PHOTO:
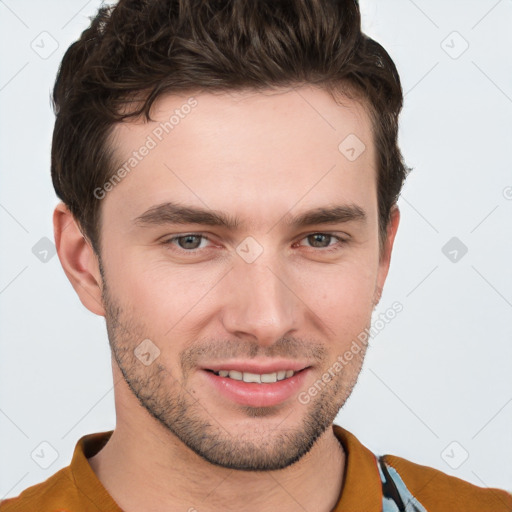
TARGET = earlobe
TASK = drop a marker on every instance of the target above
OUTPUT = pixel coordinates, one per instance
(78, 259)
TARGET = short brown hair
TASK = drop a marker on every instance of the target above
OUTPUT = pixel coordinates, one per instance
(143, 49)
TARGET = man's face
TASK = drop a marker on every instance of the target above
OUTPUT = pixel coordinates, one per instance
(268, 295)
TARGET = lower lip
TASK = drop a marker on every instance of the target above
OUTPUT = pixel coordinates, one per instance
(254, 394)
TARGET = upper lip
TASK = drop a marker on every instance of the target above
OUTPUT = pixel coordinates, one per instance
(259, 368)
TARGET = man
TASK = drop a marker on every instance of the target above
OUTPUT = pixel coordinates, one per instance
(229, 173)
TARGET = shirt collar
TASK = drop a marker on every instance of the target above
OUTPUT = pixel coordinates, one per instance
(362, 488)
(85, 478)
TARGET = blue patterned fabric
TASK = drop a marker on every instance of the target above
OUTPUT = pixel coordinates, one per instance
(395, 495)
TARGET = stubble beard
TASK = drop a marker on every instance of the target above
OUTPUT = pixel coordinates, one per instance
(171, 402)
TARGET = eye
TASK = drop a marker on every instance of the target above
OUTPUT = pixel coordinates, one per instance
(192, 242)
(322, 241)
(188, 242)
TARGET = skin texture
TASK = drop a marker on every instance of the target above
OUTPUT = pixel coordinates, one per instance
(261, 157)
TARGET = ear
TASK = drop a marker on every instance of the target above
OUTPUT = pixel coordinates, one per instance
(78, 259)
(385, 256)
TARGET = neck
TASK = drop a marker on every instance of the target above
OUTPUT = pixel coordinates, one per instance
(147, 468)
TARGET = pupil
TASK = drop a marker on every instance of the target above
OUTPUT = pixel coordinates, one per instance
(317, 238)
(187, 241)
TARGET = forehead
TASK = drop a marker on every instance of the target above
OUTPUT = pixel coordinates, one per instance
(246, 151)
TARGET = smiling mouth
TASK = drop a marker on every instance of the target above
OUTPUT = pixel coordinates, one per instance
(258, 378)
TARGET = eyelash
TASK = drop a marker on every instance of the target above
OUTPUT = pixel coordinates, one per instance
(333, 248)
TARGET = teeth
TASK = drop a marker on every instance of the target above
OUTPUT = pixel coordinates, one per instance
(256, 377)
(269, 377)
(251, 377)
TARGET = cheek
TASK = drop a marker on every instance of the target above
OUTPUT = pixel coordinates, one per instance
(175, 301)
(164, 297)
(341, 295)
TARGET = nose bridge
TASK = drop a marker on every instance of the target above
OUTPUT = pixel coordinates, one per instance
(260, 303)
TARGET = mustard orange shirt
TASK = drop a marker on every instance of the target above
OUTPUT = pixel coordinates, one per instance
(371, 484)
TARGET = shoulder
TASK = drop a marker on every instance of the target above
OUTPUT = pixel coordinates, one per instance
(73, 488)
(438, 491)
(47, 496)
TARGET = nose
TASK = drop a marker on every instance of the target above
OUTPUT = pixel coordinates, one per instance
(260, 302)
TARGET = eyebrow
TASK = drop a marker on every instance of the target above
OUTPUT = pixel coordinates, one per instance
(174, 213)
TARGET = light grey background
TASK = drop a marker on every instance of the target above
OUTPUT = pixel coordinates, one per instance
(437, 383)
